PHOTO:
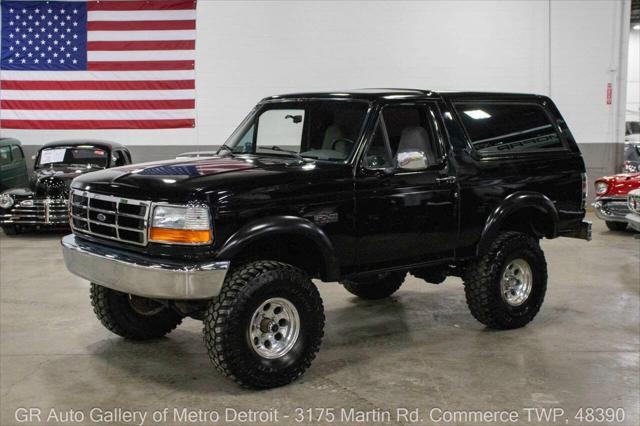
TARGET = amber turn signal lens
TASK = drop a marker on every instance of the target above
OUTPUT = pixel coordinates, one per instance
(180, 236)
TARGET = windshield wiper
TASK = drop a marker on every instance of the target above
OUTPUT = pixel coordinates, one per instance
(286, 151)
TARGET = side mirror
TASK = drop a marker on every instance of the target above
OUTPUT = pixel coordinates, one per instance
(295, 118)
(411, 160)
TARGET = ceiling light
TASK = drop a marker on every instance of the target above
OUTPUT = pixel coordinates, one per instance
(636, 27)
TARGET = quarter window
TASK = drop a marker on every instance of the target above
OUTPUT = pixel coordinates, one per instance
(508, 128)
(16, 152)
(377, 156)
(119, 159)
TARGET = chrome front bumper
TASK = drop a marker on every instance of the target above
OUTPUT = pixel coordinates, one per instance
(611, 209)
(633, 219)
(141, 275)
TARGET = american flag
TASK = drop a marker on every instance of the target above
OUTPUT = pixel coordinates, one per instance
(109, 64)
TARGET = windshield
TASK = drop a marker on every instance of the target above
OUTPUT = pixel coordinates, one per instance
(322, 130)
(80, 156)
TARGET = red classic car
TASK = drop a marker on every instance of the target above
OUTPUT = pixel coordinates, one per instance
(611, 198)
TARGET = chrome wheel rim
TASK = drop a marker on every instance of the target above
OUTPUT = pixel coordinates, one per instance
(274, 328)
(516, 282)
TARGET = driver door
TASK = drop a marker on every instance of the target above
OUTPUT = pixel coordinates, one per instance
(406, 202)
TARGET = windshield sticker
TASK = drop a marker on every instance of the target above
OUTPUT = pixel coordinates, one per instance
(52, 155)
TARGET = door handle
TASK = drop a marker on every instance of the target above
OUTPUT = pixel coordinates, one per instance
(447, 179)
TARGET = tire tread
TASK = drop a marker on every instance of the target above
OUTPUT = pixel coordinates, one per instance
(218, 322)
(115, 314)
(480, 277)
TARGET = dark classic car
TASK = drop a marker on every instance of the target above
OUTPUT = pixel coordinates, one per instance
(45, 202)
(358, 187)
(611, 198)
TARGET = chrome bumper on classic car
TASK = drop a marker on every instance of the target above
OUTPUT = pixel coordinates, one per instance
(142, 275)
(38, 211)
(633, 219)
(611, 209)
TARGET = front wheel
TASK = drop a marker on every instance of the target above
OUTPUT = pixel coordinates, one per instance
(266, 326)
(616, 226)
(506, 287)
(132, 317)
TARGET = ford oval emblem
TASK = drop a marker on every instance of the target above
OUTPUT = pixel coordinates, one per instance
(101, 217)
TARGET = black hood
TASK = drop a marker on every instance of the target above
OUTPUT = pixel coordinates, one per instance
(53, 182)
(180, 180)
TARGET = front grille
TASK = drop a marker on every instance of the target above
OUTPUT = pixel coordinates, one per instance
(617, 208)
(39, 211)
(106, 216)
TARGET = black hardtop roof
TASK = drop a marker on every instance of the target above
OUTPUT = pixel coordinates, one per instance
(379, 94)
(77, 142)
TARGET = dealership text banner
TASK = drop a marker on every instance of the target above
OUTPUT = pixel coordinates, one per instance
(97, 64)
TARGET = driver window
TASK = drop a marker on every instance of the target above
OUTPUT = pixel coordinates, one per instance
(411, 138)
(281, 128)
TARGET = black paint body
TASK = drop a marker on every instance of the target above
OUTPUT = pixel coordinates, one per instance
(348, 219)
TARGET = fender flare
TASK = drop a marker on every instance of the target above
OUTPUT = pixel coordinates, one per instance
(18, 192)
(512, 204)
(284, 225)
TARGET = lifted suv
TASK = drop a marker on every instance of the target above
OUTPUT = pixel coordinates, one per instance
(360, 187)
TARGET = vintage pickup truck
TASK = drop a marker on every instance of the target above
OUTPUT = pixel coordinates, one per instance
(44, 202)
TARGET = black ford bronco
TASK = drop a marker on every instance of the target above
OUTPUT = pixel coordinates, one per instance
(360, 187)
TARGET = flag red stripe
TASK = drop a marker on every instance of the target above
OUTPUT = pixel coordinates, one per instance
(142, 45)
(99, 85)
(98, 105)
(140, 65)
(140, 25)
(142, 5)
(97, 124)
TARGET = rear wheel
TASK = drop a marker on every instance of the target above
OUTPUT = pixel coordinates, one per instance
(266, 326)
(130, 316)
(375, 286)
(616, 226)
(506, 287)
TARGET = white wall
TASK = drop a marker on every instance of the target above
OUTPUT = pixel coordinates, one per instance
(248, 50)
(633, 77)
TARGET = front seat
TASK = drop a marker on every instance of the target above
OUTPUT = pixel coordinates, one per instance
(415, 149)
(332, 134)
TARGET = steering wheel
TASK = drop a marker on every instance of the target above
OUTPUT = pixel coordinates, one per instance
(345, 140)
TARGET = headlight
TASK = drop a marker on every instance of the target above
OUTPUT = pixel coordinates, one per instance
(6, 201)
(180, 225)
(601, 188)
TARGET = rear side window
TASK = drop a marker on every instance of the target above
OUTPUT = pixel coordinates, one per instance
(16, 151)
(502, 128)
